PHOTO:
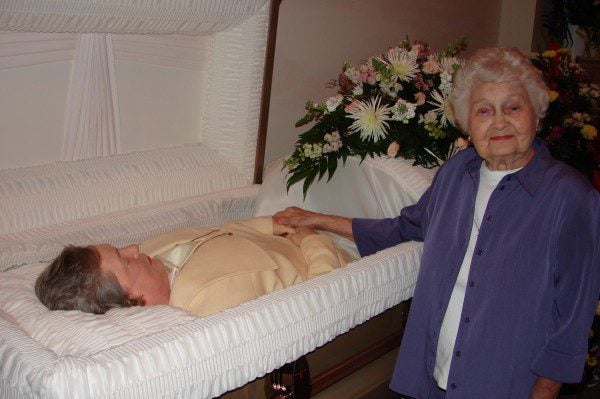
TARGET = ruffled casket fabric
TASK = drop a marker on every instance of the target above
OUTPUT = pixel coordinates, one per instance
(166, 352)
(112, 199)
(191, 17)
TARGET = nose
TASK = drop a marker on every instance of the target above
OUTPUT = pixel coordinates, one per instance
(499, 121)
(131, 251)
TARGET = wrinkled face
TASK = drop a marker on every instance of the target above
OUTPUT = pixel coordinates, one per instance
(502, 124)
(138, 274)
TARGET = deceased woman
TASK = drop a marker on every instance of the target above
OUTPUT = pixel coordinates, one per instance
(201, 270)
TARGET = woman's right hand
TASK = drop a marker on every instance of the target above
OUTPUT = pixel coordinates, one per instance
(298, 217)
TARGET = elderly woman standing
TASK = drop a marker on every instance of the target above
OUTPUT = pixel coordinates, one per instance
(510, 271)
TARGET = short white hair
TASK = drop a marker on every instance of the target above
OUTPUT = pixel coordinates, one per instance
(497, 65)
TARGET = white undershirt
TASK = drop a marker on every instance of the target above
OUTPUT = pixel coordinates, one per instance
(488, 180)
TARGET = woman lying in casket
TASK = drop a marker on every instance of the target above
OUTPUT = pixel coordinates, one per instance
(202, 270)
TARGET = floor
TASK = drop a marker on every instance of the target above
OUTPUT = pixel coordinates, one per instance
(378, 373)
(383, 392)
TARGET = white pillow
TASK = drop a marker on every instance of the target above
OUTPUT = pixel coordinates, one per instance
(376, 188)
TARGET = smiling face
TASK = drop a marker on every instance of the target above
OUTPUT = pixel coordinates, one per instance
(502, 124)
(138, 274)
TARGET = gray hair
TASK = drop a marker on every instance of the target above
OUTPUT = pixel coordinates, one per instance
(497, 65)
(75, 281)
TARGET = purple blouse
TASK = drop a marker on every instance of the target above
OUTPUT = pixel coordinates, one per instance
(533, 284)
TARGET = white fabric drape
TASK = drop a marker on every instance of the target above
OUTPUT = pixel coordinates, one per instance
(92, 125)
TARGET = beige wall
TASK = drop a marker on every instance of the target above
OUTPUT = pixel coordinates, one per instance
(315, 37)
(517, 24)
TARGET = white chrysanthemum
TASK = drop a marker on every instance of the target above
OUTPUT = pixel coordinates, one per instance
(442, 107)
(445, 83)
(370, 119)
(450, 64)
(403, 64)
(403, 111)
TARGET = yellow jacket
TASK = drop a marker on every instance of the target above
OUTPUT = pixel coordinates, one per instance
(242, 263)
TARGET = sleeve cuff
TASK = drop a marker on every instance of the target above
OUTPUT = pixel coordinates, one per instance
(559, 366)
(320, 255)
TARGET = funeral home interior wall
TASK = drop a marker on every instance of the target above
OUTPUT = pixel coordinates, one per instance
(315, 37)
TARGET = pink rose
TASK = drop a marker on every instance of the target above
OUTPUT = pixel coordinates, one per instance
(420, 98)
(393, 149)
(431, 67)
(368, 77)
(351, 106)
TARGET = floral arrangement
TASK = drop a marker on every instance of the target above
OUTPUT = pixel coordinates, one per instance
(394, 104)
(397, 104)
(591, 376)
(570, 128)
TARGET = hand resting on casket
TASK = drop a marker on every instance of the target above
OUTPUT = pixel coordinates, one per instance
(296, 217)
(202, 270)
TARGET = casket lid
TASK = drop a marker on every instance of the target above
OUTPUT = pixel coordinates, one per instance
(126, 16)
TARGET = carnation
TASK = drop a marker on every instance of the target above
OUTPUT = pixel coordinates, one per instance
(403, 111)
(333, 102)
(570, 128)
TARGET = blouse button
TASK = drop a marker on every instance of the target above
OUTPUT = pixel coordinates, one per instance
(467, 319)
(480, 252)
(489, 218)
(453, 386)
(500, 188)
(471, 283)
(458, 353)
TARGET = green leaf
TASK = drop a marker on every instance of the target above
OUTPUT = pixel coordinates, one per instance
(331, 166)
(381, 68)
(295, 178)
(306, 119)
(322, 167)
(307, 182)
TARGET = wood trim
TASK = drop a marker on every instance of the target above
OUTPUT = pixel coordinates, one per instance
(261, 141)
(362, 358)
